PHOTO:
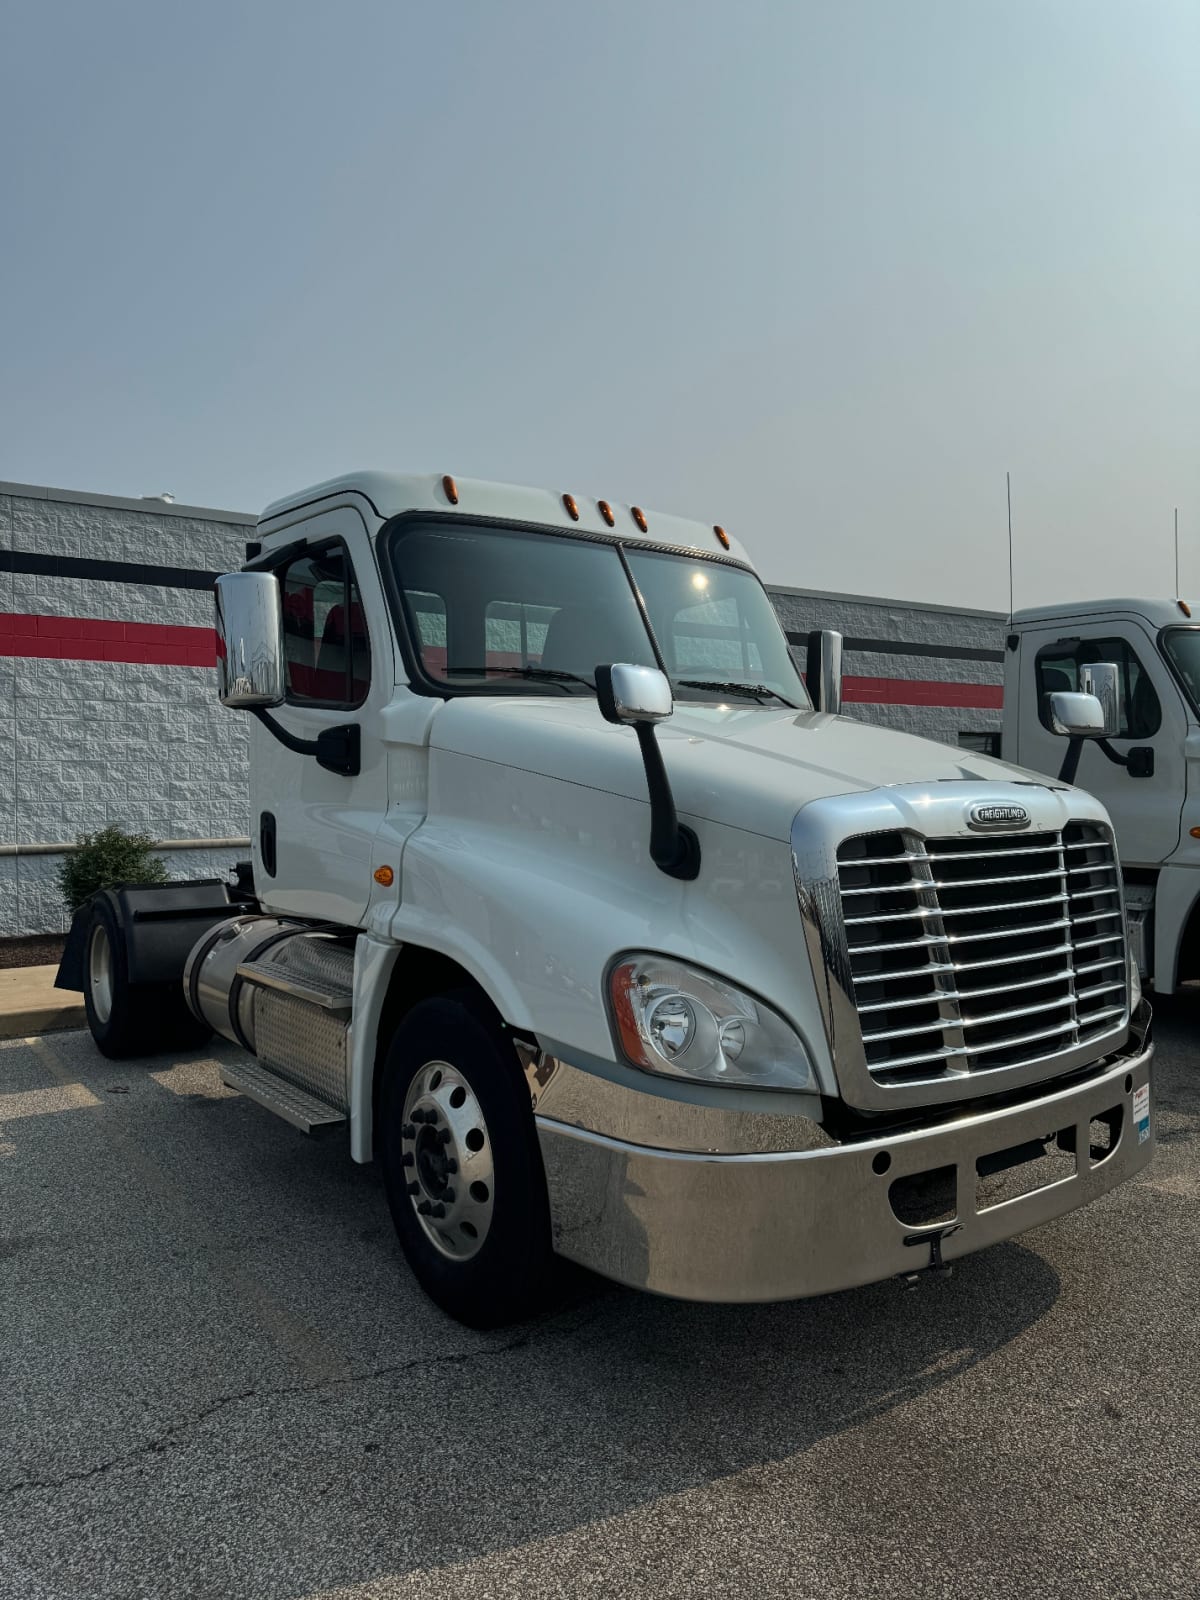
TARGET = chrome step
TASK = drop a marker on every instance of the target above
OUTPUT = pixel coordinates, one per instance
(297, 1106)
(338, 1002)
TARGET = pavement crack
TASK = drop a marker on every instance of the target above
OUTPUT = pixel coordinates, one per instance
(175, 1434)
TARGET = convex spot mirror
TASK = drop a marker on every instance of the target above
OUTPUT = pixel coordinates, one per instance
(250, 667)
(1092, 712)
(630, 694)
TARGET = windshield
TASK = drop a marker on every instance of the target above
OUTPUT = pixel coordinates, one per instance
(1182, 649)
(538, 613)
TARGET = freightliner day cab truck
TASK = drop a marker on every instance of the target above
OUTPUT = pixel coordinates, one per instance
(1147, 774)
(569, 903)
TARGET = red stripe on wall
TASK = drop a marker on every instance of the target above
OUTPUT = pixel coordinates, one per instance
(155, 644)
(923, 692)
(164, 645)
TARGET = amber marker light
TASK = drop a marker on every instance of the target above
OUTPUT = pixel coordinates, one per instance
(572, 507)
(606, 511)
(451, 488)
(1195, 832)
(639, 516)
(384, 876)
(722, 536)
(1184, 607)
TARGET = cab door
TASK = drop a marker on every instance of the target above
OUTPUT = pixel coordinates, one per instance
(1146, 810)
(314, 828)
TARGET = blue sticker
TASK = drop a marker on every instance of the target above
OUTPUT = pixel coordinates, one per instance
(1141, 1112)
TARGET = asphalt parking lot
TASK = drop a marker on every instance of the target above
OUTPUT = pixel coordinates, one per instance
(218, 1379)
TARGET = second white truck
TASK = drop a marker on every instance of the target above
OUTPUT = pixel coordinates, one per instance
(1146, 772)
(570, 907)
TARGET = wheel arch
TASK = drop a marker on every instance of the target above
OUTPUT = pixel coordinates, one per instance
(406, 974)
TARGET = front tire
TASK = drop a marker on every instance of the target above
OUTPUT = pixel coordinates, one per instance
(461, 1163)
(130, 1019)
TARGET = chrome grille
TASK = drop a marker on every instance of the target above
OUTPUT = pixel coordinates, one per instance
(976, 954)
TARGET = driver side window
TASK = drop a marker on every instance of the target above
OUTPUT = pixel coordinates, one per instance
(327, 655)
(1057, 668)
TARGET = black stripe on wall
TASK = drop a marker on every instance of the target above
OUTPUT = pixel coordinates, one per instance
(47, 566)
(51, 566)
(903, 647)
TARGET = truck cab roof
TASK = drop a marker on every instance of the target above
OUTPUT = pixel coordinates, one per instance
(1158, 613)
(391, 493)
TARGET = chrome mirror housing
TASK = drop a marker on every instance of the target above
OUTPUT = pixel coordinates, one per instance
(250, 667)
(1077, 716)
(632, 695)
(823, 674)
(1103, 679)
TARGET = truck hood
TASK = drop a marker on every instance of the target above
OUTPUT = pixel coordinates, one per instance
(748, 767)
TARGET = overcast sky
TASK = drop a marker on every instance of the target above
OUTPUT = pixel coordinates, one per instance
(820, 272)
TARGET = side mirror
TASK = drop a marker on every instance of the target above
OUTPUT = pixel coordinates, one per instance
(249, 641)
(640, 698)
(1103, 679)
(629, 694)
(823, 672)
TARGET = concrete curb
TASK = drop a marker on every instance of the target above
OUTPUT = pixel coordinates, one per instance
(30, 1004)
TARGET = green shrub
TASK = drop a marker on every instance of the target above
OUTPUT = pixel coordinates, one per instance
(102, 860)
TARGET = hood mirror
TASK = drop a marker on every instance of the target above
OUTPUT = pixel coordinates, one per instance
(1077, 716)
(630, 694)
(1092, 712)
(639, 698)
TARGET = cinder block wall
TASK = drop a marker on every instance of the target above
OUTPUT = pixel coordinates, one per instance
(108, 708)
(938, 669)
(91, 736)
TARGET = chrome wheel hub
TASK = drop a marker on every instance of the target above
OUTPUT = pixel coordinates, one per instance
(446, 1154)
(100, 973)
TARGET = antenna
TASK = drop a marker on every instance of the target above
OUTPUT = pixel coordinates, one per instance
(1177, 552)
(1008, 490)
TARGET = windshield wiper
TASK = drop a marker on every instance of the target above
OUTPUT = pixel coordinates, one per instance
(757, 691)
(547, 674)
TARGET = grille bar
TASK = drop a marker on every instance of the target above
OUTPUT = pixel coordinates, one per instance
(938, 944)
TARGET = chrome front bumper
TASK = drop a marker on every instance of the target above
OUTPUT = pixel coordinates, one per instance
(785, 1225)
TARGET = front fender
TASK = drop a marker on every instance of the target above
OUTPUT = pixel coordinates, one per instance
(533, 884)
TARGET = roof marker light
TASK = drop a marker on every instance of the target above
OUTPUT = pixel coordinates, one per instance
(722, 536)
(572, 507)
(606, 512)
(1184, 607)
(639, 516)
(451, 488)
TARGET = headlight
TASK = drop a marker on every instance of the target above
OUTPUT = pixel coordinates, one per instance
(683, 1023)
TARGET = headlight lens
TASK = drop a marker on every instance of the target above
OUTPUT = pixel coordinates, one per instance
(685, 1023)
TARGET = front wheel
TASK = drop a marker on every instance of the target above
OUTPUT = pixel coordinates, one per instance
(462, 1166)
(130, 1019)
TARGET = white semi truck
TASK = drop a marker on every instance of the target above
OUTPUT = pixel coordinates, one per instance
(1146, 772)
(607, 937)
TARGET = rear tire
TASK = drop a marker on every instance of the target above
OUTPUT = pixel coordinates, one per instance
(461, 1163)
(130, 1019)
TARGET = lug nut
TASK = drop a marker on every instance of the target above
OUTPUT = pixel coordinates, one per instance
(444, 1135)
(406, 1160)
(451, 1165)
(437, 1211)
(424, 1208)
(448, 1196)
(431, 1117)
(418, 1115)
(408, 1131)
(412, 1188)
